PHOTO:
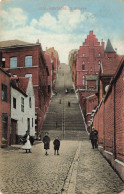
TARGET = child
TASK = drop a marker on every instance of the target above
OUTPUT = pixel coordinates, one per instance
(56, 144)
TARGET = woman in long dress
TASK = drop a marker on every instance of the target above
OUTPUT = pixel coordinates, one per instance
(27, 145)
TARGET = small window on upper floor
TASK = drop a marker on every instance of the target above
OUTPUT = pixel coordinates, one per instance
(83, 54)
(91, 69)
(22, 104)
(99, 65)
(14, 102)
(3, 62)
(28, 75)
(13, 62)
(83, 65)
(99, 54)
(30, 103)
(83, 81)
(28, 61)
(4, 92)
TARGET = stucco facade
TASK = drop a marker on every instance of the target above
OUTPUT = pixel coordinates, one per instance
(23, 113)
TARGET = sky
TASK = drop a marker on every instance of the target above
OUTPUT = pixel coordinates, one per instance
(62, 24)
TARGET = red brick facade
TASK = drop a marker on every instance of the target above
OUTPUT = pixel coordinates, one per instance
(109, 120)
(38, 69)
(4, 107)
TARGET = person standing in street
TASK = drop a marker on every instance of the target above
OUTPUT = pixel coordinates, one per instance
(94, 138)
(56, 144)
(27, 146)
(46, 141)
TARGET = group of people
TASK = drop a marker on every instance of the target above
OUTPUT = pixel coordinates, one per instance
(28, 142)
(56, 143)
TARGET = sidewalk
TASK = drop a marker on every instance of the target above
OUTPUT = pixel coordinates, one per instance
(92, 174)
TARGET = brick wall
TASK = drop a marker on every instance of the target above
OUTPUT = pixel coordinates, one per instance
(109, 118)
(5, 106)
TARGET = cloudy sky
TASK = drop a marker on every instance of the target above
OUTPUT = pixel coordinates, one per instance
(62, 24)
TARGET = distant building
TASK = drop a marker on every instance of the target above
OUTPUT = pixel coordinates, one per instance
(22, 108)
(4, 108)
(50, 76)
(108, 68)
(72, 63)
(88, 64)
(24, 59)
(54, 60)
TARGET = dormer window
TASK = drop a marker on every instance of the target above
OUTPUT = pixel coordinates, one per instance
(83, 65)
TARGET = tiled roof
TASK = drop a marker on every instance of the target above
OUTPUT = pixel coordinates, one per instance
(12, 43)
(109, 48)
(23, 84)
(110, 65)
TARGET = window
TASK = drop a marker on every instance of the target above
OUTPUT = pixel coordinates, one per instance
(99, 65)
(14, 102)
(13, 62)
(28, 61)
(22, 104)
(83, 81)
(83, 54)
(83, 65)
(4, 93)
(30, 104)
(14, 75)
(32, 122)
(28, 124)
(4, 125)
(3, 62)
(99, 54)
(91, 69)
(28, 75)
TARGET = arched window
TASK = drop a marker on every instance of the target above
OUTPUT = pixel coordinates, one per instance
(99, 65)
(83, 81)
(83, 65)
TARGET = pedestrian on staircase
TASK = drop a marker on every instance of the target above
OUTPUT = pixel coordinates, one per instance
(94, 138)
(46, 141)
(56, 144)
(69, 104)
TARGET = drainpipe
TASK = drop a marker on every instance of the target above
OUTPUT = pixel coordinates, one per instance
(115, 154)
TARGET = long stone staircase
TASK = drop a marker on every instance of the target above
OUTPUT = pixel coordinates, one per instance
(63, 120)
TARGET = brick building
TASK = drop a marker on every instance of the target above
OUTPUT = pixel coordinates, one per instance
(109, 121)
(50, 76)
(89, 59)
(4, 107)
(109, 65)
(55, 61)
(72, 63)
(24, 59)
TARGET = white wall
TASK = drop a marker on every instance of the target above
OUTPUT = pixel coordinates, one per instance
(20, 116)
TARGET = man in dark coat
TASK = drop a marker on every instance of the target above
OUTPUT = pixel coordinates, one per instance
(94, 138)
(56, 144)
(46, 141)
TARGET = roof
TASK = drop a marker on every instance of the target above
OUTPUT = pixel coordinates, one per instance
(20, 84)
(1, 69)
(15, 43)
(110, 65)
(23, 84)
(109, 48)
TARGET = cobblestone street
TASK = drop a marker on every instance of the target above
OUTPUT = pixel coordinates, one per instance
(78, 169)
